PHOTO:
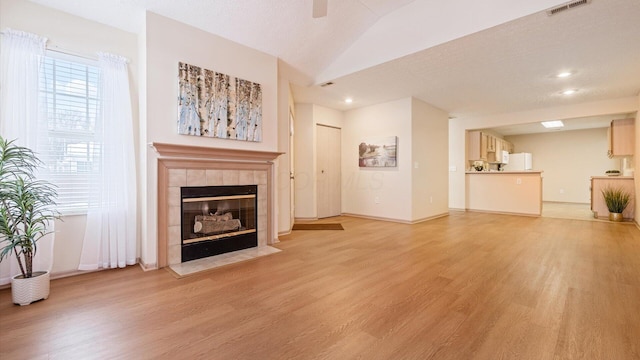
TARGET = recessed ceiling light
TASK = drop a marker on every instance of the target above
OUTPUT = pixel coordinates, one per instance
(564, 74)
(569, 92)
(554, 124)
(348, 100)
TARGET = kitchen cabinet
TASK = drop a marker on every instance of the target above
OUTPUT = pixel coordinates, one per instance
(621, 137)
(497, 155)
(482, 146)
(508, 147)
(491, 143)
(476, 145)
(599, 207)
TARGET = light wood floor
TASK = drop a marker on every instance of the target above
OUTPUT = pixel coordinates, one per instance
(466, 286)
(573, 211)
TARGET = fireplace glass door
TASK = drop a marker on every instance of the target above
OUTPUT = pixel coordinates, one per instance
(218, 219)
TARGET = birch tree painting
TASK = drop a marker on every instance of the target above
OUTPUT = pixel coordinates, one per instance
(217, 105)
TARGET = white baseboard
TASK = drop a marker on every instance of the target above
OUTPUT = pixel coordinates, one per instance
(401, 221)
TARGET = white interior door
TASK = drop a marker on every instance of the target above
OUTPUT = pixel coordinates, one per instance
(328, 142)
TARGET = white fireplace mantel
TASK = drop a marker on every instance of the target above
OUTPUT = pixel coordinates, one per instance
(173, 150)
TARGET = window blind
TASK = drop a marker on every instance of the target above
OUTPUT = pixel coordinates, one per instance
(69, 93)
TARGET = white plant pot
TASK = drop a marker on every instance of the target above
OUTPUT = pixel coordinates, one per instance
(24, 291)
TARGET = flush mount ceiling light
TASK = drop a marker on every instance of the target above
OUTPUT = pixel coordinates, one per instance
(569, 92)
(554, 124)
(564, 74)
(348, 100)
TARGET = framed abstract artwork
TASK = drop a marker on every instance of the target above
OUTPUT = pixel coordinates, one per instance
(217, 105)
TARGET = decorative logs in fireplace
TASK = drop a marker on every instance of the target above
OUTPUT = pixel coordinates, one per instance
(211, 224)
(218, 219)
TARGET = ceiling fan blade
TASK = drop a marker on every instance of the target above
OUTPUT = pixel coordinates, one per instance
(319, 8)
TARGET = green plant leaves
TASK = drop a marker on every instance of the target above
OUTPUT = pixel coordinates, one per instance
(616, 199)
(26, 204)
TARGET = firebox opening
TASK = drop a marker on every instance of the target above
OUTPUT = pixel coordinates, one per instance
(217, 220)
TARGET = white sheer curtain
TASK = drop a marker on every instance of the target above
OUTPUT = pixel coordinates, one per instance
(110, 235)
(22, 118)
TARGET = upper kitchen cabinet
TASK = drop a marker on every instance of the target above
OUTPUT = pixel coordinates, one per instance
(491, 143)
(482, 146)
(495, 156)
(498, 150)
(476, 145)
(508, 146)
(621, 137)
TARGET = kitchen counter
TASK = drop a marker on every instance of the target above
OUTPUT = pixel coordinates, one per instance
(612, 177)
(507, 192)
(506, 172)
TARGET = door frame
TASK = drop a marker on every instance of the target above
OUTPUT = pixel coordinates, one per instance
(292, 180)
(339, 174)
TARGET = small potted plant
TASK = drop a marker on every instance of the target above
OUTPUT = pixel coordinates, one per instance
(26, 208)
(617, 200)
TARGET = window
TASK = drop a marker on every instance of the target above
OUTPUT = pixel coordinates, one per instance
(69, 89)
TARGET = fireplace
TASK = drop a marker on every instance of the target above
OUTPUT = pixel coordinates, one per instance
(192, 166)
(217, 220)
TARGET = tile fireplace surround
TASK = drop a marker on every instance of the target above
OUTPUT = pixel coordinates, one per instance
(180, 165)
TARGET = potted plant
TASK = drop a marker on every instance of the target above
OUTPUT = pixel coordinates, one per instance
(617, 200)
(26, 208)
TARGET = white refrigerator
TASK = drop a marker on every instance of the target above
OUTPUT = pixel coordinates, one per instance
(519, 162)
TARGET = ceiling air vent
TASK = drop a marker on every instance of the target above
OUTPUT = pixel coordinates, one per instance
(567, 6)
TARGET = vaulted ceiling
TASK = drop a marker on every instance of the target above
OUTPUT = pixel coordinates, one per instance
(469, 58)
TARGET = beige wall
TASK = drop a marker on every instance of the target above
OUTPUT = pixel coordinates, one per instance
(283, 163)
(414, 190)
(78, 36)
(308, 116)
(392, 186)
(568, 159)
(430, 156)
(304, 150)
(457, 128)
(167, 43)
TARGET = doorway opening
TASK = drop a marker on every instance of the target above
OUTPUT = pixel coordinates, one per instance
(560, 210)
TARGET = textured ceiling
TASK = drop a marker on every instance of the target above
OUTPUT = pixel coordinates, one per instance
(589, 122)
(510, 67)
(468, 58)
(282, 28)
